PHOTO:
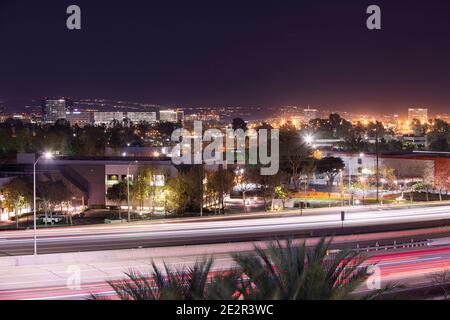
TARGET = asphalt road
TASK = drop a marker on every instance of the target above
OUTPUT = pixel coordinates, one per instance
(145, 235)
(49, 282)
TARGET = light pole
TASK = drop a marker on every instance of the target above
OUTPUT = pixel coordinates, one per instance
(128, 188)
(377, 150)
(201, 189)
(383, 181)
(361, 155)
(363, 183)
(46, 155)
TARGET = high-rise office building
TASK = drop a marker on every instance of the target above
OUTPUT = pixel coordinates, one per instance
(54, 109)
(107, 117)
(80, 118)
(136, 117)
(173, 116)
(309, 114)
(419, 114)
(180, 116)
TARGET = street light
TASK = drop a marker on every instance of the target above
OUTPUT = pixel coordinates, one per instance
(309, 139)
(363, 180)
(46, 155)
(128, 188)
(383, 181)
(361, 155)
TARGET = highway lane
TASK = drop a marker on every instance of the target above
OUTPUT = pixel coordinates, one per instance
(104, 237)
(410, 268)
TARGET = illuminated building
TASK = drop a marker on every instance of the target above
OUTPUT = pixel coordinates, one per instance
(173, 116)
(309, 114)
(136, 117)
(54, 109)
(419, 114)
(80, 118)
(107, 117)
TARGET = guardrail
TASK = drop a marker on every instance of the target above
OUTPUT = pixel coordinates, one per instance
(394, 246)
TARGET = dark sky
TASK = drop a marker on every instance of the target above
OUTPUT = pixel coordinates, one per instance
(215, 52)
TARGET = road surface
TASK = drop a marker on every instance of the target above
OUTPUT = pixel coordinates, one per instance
(145, 235)
(53, 282)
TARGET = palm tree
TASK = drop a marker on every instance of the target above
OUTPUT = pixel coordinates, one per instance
(292, 272)
(187, 283)
(282, 272)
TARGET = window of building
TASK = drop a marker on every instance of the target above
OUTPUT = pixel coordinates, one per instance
(158, 181)
(112, 179)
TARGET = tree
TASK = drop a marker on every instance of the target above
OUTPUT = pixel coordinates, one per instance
(438, 137)
(238, 123)
(420, 187)
(16, 136)
(45, 192)
(419, 129)
(354, 139)
(93, 140)
(118, 193)
(196, 175)
(441, 280)
(179, 191)
(165, 129)
(60, 195)
(57, 137)
(297, 156)
(185, 283)
(293, 152)
(140, 187)
(332, 128)
(17, 194)
(219, 183)
(244, 181)
(442, 175)
(52, 194)
(331, 167)
(266, 184)
(281, 193)
(307, 170)
(291, 271)
(284, 271)
(376, 128)
(352, 188)
(388, 179)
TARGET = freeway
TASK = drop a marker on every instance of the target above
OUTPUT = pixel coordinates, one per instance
(146, 235)
(50, 282)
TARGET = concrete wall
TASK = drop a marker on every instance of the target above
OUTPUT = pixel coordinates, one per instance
(411, 168)
(95, 176)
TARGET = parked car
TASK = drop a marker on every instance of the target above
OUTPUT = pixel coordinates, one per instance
(53, 219)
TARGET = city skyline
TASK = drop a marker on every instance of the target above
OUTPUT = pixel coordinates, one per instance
(250, 113)
(302, 53)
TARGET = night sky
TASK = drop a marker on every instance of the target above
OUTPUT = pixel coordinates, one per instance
(248, 53)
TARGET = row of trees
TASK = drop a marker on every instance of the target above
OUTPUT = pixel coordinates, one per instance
(51, 196)
(17, 136)
(191, 189)
(335, 127)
